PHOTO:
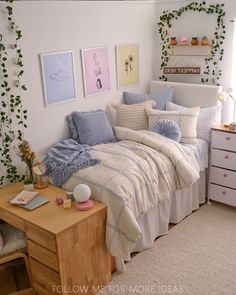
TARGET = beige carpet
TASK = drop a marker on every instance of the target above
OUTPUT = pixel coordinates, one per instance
(198, 256)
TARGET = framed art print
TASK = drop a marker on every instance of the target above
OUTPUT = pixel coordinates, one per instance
(58, 77)
(127, 63)
(95, 70)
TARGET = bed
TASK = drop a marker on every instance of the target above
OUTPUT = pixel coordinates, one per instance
(141, 229)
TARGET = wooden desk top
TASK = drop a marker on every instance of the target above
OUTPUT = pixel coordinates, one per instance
(223, 128)
(50, 217)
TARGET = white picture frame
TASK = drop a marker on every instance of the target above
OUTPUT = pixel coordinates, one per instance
(58, 74)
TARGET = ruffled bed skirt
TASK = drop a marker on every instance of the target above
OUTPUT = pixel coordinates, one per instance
(155, 223)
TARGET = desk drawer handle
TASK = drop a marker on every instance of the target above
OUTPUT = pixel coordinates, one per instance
(226, 157)
(227, 138)
(224, 193)
(225, 175)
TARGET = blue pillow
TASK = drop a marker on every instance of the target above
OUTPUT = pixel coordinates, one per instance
(167, 128)
(160, 97)
(92, 127)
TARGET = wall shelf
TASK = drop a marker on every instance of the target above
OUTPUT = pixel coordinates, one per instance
(190, 50)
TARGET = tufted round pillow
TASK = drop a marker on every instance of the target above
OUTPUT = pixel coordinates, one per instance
(167, 128)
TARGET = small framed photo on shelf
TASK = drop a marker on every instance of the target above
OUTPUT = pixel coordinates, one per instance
(96, 73)
(127, 64)
(58, 75)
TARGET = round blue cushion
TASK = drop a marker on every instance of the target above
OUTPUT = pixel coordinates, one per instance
(167, 128)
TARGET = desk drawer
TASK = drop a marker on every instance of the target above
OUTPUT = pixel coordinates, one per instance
(223, 177)
(41, 237)
(45, 279)
(12, 219)
(222, 194)
(43, 255)
(224, 140)
(223, 159)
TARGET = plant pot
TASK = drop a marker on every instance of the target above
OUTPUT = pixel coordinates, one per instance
(29, 186)
(194, 41)
(173, 41)
(204, 41)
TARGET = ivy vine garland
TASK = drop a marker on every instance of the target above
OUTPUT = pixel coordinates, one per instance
(212, 72)
(12, 115)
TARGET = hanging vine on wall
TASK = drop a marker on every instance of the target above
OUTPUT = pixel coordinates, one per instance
(212, 72)
(12, 115)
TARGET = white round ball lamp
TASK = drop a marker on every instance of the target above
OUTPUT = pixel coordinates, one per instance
(82, 193)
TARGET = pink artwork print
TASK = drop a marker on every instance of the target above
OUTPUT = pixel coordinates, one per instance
(95, 70)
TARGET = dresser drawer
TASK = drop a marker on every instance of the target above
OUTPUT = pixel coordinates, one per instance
(12, 219)
(45, 279)
(223, 159)
(43, 255)
(224, 140)
(222, 194)
(41, 237)
(223, 177)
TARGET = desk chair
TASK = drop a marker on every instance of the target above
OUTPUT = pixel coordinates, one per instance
(14, 247)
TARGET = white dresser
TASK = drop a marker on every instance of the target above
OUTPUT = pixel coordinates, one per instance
(222, 179)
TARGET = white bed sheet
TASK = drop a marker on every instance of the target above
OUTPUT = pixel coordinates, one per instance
(200, 148)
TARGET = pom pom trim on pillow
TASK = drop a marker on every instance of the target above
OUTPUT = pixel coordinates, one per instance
(167, 128)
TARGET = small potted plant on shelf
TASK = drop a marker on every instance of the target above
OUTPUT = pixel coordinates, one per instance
(173, 41)
(194, 41)
(27, 156)
(204, 40)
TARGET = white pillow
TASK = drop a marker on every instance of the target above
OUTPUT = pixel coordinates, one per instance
(133, 116)
(208, 118)
(186, 119)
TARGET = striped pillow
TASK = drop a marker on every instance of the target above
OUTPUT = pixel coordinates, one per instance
(133, 116)
(186, 119)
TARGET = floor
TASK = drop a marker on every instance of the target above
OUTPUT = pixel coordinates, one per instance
(197, 257)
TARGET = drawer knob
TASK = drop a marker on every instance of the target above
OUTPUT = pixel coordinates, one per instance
(227, 138)
(224, 192)
(226, 157)
(225, 175)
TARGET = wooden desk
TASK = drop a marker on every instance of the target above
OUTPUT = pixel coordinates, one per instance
(66, 247)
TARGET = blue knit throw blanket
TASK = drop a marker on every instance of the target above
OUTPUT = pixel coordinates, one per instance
(67, 157)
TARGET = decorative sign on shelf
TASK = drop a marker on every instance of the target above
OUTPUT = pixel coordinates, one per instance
(182, 70)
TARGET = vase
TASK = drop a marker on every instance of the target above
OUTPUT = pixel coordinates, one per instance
(29, 179)
(29, 187)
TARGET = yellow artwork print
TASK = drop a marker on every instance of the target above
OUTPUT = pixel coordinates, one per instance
(127, 64)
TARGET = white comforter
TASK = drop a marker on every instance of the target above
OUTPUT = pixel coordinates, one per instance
(133, 176)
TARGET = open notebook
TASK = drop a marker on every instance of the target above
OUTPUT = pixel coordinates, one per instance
(35, 203)
(29, 200)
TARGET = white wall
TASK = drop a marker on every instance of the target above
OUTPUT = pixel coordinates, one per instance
(200, 24)
(49, 26)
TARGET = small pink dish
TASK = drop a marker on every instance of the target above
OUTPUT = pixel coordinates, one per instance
(83, 206)
(183, 41)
